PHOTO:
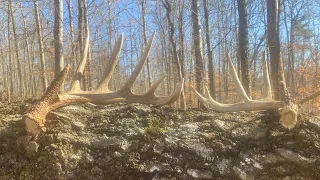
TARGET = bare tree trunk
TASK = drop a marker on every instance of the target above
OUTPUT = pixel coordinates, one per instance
(20, 75)
(219, 54)
(209, 49)
(197, 46)
(167, 6)
(274, 44)
(40, 41)
(164, 60)
(86, 25)
(34, 90)
(291, 52)
(58, 37)
(74, 56)
(4, 75)
(254, 60)
(182, 53)
(31, 85)
(190, 78)
(80, 38)
(244, 46)
(10, 66)
(80, 26)
(144, 24)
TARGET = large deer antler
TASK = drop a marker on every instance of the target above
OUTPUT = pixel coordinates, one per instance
(288, 109)
(35, 119)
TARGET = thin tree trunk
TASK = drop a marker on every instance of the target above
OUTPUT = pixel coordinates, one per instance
(28, 50)
(167, 6)
(73, 57)
(86, 25)
(4, 75)
(80, 26)
(41, 48)
(288, 46)
(10, 66)
(19, 66)
(182, 53)
(291, 64)
(209, 49)
(58, 37)
(33, 79)
(144, 24)
(254, 60)
(80, 38)
(219, 54)
(190, 78)
(197, 46)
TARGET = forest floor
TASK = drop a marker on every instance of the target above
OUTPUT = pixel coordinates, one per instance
(134, 141)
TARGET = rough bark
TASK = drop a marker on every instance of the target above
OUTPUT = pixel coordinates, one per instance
(243, 46)
(274, 44)
(197, 44)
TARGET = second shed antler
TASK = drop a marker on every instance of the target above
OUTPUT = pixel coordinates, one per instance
(288, 109)
(35, 119)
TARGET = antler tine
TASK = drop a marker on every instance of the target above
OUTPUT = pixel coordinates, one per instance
(266, 79)
(242, 93)
(127, 86)
(35, 119)
(288, 109)
(76, 83)
(174, 96)
(202, 98)
(103, 86)
(129, 97)
(54, 88)
(209, 98)
(310, 97)
(154, 86)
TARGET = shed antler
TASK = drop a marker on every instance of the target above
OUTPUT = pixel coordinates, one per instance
(288, 109)
(35, 119)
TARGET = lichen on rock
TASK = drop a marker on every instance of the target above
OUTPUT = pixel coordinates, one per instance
(137, 141)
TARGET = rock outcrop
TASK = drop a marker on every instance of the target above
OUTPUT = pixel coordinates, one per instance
(148, 142)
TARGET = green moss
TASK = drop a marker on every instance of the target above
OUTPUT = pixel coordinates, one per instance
(303, 117)
(27, 173)
(156, 126)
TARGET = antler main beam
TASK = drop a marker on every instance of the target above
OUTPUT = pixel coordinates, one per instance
(35, 119)
(288, 110)
(247, 103)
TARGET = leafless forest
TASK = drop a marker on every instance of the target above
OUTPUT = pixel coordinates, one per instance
(39, 37)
